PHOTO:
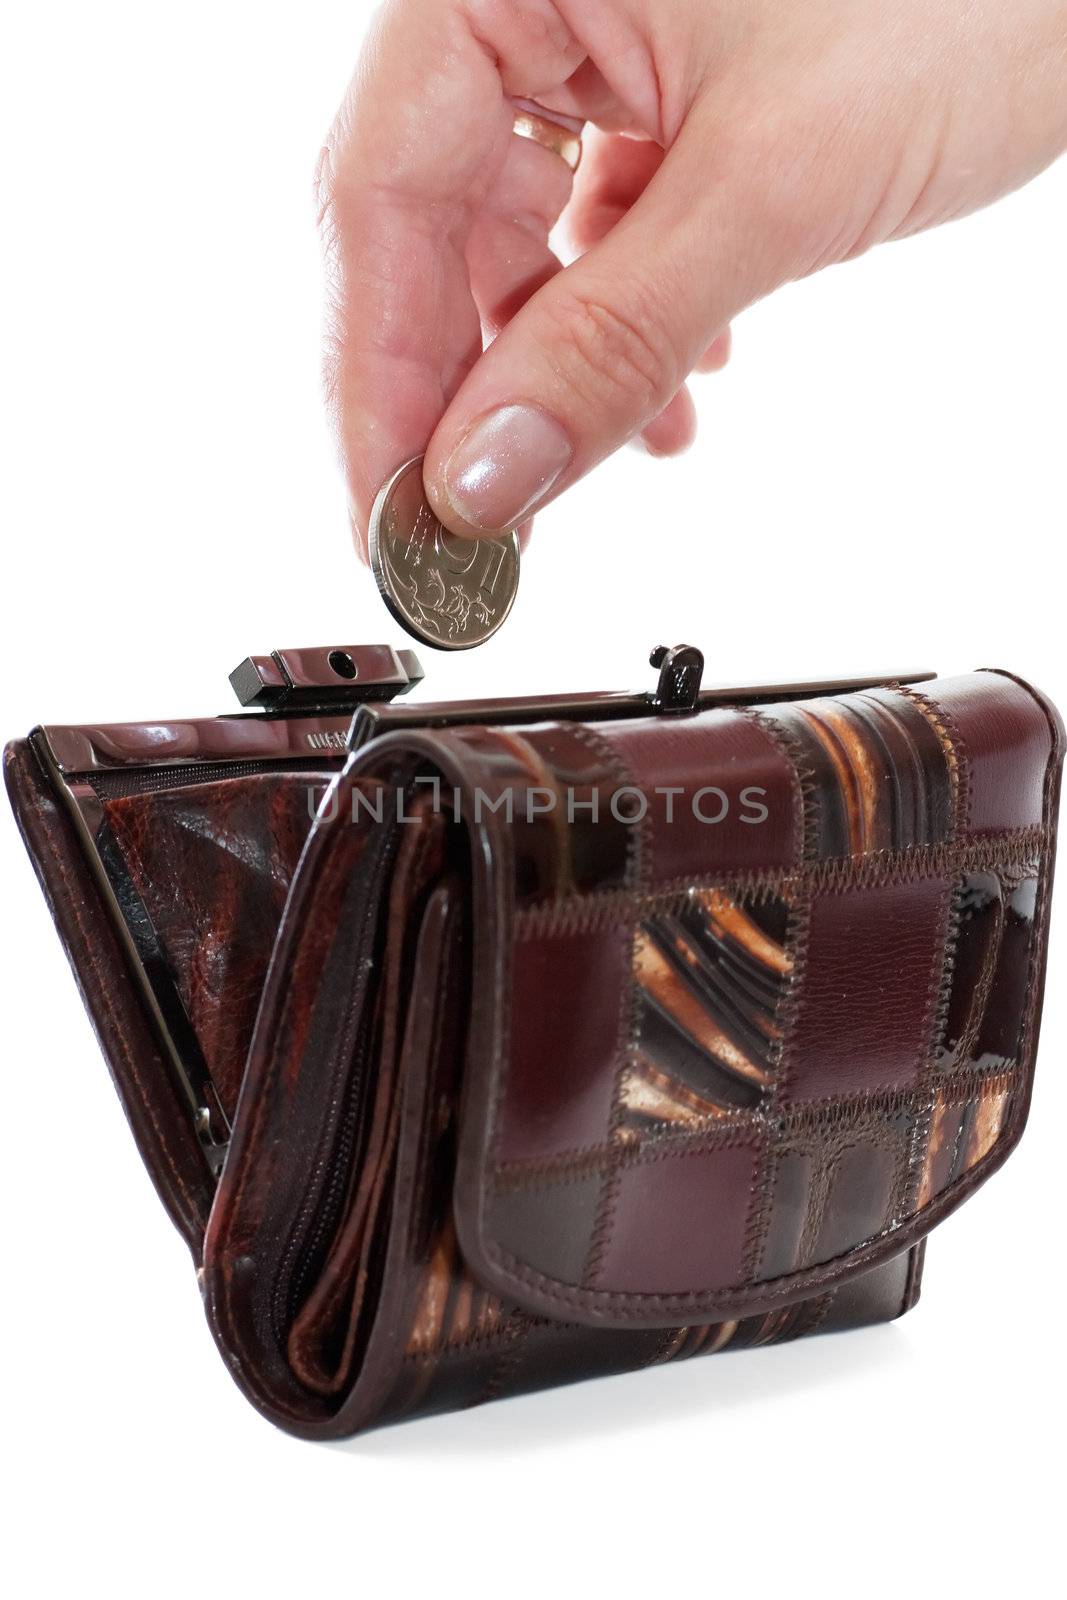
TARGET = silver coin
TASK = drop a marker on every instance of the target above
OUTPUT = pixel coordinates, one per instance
(449, 592)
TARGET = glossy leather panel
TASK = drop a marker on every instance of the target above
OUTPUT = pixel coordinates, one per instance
(722, 794)
(1005, 741)
(233, 848)
(568, 1022)
(873, 961)
(677, 1222)
(808, 1014)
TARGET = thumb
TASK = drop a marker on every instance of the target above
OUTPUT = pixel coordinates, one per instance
(600, 349)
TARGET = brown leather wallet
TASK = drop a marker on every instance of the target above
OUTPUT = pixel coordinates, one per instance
(481, 1047)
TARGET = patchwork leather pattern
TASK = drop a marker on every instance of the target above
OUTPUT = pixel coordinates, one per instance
(814, 1058)
(682, 1043)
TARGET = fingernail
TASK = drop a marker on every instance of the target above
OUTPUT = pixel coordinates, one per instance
(506, 464)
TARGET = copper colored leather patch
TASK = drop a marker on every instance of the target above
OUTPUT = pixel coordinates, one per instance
(711, 978)
(880, 774)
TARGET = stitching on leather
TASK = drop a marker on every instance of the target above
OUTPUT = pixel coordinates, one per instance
(756, 1243)
(636, 877)
(965, 1181)
(1015, 1116)
(825, 1272)
(802, 774)
(224, 1278)
(956, 755)
(505, 999)
(1018, 849)
(342, 1049)
(825, 1146)
(724, 1114)
(819, 1189)
(475, 1344)
(509, 1359)
(1039, 934)
(343, 1285)
(799, 1128)
(760, 1213)
(820, 1310)
(933, 1027)
(801, 916)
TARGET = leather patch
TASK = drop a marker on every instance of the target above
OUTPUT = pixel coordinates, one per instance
(873, 961)
(710, 978)
(1006, 742)
(832, 1187)
(861, 1192)
(962, 1131)
(880, 777)
(568, 1029)
(679, 1221)
(990, 973)
(722, 794)
(590, 832)
(549, 1228)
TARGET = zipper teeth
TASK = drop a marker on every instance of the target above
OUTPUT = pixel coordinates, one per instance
(313, 1218)
(328, 1203)
(117, 785)
(331, 1172)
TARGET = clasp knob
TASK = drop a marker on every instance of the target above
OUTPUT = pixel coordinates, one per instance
(681, 669)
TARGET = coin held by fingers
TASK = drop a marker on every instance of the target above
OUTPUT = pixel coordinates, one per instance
(449, 592)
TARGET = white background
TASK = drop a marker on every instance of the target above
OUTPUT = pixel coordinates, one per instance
(878, 485)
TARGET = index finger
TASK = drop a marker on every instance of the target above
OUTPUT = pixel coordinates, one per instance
(419, 141)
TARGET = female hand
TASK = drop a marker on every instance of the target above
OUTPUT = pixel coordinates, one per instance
(736, 144)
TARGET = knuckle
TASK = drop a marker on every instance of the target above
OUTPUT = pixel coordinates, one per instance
(324, 188)
(525, 38)
(616, 353)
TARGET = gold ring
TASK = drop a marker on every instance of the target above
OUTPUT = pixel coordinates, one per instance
(551, 129)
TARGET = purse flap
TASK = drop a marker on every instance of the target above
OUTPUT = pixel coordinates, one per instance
(755, 991)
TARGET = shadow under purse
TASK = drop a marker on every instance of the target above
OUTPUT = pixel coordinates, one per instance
(480, 1047)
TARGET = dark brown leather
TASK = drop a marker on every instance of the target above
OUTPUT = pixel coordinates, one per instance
(233, 848)
(655, 1037)
(126, 1036)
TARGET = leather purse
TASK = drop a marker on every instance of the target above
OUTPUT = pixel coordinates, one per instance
(475, 1048)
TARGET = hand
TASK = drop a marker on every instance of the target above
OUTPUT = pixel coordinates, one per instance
(736, 144)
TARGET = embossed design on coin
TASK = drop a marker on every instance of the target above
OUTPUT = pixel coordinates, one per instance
(445, 590)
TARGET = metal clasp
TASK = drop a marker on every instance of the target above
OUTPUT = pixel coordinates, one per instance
(324, 678)
(680, 672)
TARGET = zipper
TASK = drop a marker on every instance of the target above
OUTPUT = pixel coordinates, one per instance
(323, 1197)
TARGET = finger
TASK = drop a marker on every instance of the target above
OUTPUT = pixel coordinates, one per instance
(422, 135)
(599, 350)
(717, 354)
(508, 253)
(588, 96)
(614, 173)
(673, 429)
